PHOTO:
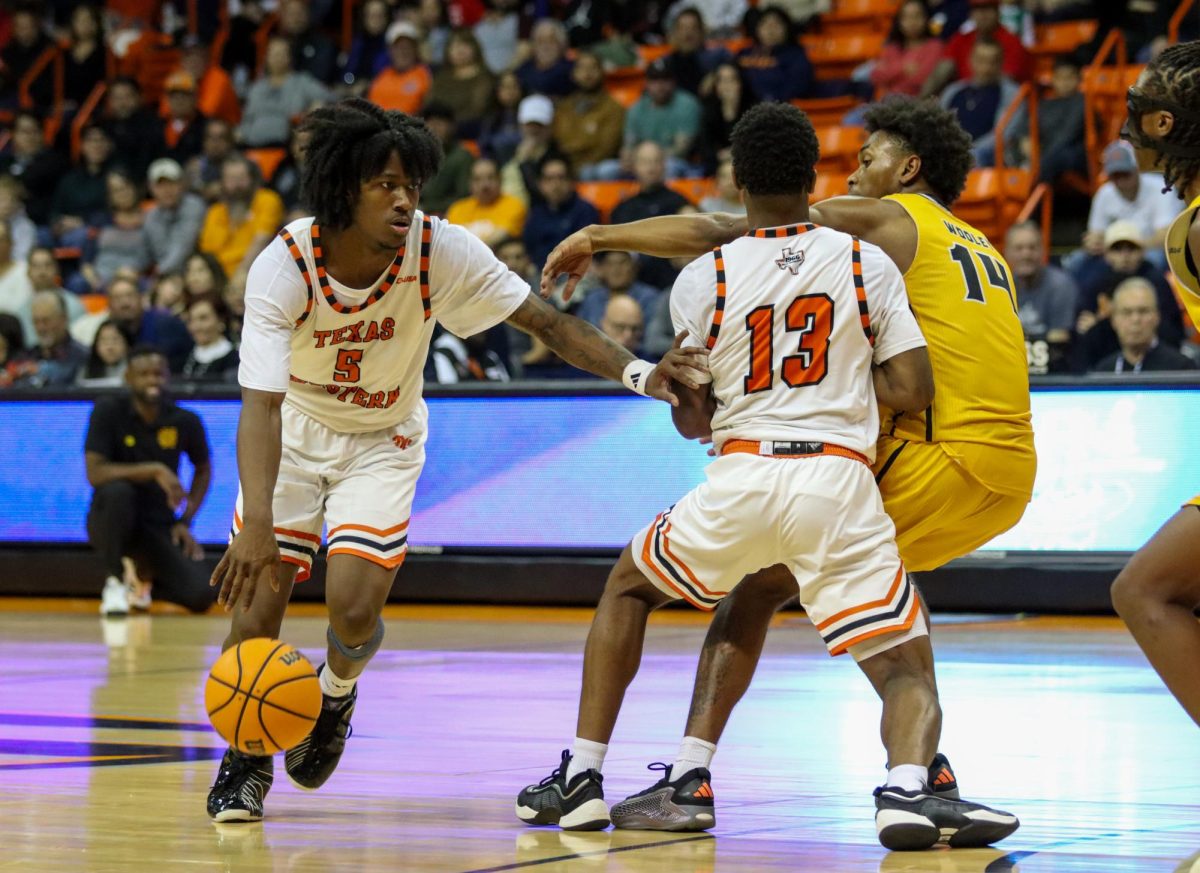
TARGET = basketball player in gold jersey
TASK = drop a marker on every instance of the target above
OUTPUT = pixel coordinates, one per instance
(1159, 589)
(952, 477)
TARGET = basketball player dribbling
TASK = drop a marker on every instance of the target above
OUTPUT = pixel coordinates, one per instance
(954, 475)
(1157, 592)
(807, 327)
(340, 309)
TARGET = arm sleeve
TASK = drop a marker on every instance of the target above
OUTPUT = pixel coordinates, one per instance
(275, 299)
(693, 299)
(892, 320)
(469, 289)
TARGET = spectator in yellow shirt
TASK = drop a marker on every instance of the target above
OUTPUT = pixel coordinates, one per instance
(245, 217)
(487, 213)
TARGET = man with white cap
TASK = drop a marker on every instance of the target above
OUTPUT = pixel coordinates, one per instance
(1129, 196)
(404, 83)
(173, 223)
(519, 177)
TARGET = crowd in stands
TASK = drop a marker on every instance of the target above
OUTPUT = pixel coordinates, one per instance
(130, 214)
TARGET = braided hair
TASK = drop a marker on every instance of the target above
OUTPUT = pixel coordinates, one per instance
(352, 141)
(1173, 82)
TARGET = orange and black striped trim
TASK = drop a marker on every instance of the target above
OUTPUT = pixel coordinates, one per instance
(426, 240)
(753, 447)
(780, 232)
(864, 315)
(323, 277)
(298, 257)
(719, 310)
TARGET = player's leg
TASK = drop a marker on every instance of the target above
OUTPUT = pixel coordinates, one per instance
(1156, 594)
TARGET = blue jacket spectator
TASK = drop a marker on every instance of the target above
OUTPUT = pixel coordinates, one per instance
(155, 327)
(58, 357)
(548, 71)
(558, 214)
(618, 275)
(368, 50)
(776, 66)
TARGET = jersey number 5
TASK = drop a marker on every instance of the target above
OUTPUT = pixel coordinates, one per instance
(346, 369)
(811, 316)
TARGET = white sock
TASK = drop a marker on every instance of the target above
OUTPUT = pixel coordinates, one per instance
(585, 755)
(693, 752)
(910, 777)
(333, 685)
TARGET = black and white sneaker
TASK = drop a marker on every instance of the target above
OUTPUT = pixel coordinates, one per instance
(683, 805)
(575, 806)
(914, 820)
(241, 786)
(310, 763)
(941, 778)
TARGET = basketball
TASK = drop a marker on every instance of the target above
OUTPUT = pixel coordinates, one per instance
(262, 696)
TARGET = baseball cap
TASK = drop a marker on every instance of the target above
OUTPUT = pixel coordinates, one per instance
(402, 29)
(164, 168)
(535, 108)
(660, 68)
(180, 80)
(1120, 158)
(1123, 231)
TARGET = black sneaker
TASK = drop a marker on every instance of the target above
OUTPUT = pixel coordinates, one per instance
(314, 759)
(575, 806)
(683, 805)
(914, 820)
(242, 783)
(941, 778)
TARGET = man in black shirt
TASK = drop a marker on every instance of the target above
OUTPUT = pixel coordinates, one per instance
(1135, 320)
(132, 453)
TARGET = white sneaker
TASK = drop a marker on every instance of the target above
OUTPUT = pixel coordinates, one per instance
(114, 600)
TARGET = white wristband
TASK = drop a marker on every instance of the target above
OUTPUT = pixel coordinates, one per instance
(636, 375)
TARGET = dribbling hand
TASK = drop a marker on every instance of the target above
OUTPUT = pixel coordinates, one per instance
(252, 554)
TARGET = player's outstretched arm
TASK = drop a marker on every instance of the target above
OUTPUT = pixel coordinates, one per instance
(254, 551)
(668, 236)
(885, 223)
(582, 345)
(904, 382)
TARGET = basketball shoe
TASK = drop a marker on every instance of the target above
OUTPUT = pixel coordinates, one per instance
(314, 759)
(577, 805)
(941, 778)
(242, 784)
(114, 599)
(914, 820)
(685, 804)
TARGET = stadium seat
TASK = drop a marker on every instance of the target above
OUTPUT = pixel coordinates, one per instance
(836, 57)
(828, 185)
(694, 190)
(625, 91)
(1058, 38)
(648, 54)
(839, 148)
(851, 17)
(267, 160)
(827, 111)
(606, 195)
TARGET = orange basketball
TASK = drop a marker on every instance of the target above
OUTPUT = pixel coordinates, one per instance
(262, 696)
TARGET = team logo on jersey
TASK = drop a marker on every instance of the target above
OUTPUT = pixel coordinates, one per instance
(168, 437)
(790, 259)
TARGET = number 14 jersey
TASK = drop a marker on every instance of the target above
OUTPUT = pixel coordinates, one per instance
(794, 317)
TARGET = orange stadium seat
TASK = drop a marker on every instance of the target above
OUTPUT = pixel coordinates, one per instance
(829, 185)
(850, 17)
(827, 111)
(606, 195)
(1058, 38)
(836, 57)
(648, 54)
(625, 91)
(694, 190)
(267, 160)
(839, 148)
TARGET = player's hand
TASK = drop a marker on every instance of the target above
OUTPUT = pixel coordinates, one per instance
(572, 256)
(686, 366)
(171, 486)
(252, 555)
(183, 539)
(708, 441)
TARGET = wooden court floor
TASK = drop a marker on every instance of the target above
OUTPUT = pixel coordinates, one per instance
(105, 756)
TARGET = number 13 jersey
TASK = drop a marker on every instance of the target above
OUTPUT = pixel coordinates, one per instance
(794, 317)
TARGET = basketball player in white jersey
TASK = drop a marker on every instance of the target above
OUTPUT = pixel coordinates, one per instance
(340, 309)
(807, 329)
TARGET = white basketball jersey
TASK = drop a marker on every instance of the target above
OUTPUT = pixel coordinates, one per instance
(794, 317)
(353, 359)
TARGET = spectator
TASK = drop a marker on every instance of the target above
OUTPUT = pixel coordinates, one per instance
(501, 132)
(911, 52)
(728, 198)
(234, 297)
(15, 289)
(453, 360)
(547, 71)
(37, 167)
(168, 294)
(777, 68)
(1047, 296)
(588, 123)
(240, 53)
(15, 367)
(105, 367)
(203, 276)
(43, 275)
(26, 44)
(137, 133)
(132, 453)
(499, 33)
(488, 213)
(204, 171)
(730, 98)
(464, 83)
(512, 253)
(519, 177)
(690, 58)
(653, 198)
(183, 129)
(723, 18)
(278, 96)
(1135, 321)
(216, 97)
(147, 326)
(173, 224)
(368, 49)
(453, 181)
(85, 58)
(624, 322)
(617, 275)
(81, 198)
(286, 181)
(404, 83)
(1129, 195)
(245, 218)
(667, 115)
(560, 212)
(981, 101)
(213, 357)
(985, 25)
(12, 211)
(433, 19)
(122, 243)
(1060, 118)
(59, 358)
(312, 51)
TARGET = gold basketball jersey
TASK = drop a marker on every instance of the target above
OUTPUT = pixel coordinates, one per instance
(1181, 262)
